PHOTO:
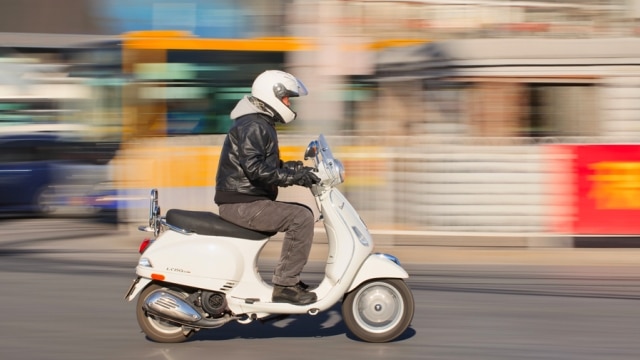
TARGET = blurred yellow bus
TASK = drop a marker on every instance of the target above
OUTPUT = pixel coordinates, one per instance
(184, 85)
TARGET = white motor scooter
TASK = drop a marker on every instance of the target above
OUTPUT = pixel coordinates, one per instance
(201, 271)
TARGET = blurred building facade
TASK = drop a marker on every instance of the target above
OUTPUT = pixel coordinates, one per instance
(433, 66)
(481, 82)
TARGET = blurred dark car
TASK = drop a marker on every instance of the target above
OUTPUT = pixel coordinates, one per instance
(44, 172)
(27, 170)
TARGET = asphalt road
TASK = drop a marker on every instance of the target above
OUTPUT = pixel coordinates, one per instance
(62, 285)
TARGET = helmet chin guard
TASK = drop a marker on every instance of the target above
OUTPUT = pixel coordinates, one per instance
(272, 86)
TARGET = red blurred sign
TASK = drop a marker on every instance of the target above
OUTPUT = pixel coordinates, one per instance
(606, 189)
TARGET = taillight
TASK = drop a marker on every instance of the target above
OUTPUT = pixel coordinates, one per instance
(144, 245)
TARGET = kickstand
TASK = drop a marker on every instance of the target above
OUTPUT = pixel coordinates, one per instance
(274, 318)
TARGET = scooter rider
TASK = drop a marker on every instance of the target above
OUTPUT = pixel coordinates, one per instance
(249, 174)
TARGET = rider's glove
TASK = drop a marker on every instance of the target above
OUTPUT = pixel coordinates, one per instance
(293, 165)
(305, 177)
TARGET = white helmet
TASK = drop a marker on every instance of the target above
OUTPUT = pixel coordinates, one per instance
(272, 85)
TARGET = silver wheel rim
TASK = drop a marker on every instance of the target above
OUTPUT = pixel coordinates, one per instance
(378, 307)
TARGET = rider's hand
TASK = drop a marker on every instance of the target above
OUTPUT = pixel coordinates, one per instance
(293, 165)
(305, 177)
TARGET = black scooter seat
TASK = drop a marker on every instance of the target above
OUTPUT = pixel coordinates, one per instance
(208, 223)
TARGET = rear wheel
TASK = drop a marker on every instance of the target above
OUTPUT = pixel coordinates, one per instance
(157, 329)
(379, 310)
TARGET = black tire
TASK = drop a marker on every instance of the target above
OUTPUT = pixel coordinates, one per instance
(156, 329)
(379, 310)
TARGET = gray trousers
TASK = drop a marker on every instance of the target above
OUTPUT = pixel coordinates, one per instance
(296, 220)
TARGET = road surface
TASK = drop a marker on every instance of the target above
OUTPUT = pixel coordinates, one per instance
(63, 283)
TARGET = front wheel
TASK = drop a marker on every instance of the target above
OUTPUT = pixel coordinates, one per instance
(379, 310)
(157, 329)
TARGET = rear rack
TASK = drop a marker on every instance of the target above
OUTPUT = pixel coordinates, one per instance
(155, 219)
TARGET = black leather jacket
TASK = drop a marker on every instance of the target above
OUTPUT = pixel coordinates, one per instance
(250, 168)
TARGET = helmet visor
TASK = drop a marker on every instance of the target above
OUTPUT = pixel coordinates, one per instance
(302, 90)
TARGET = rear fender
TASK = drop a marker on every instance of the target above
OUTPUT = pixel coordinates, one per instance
(135, 288)
(378, 266)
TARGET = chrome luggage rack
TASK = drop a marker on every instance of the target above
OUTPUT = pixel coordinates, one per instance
(155, 220)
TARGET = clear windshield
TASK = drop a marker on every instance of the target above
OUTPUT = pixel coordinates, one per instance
(330, 169)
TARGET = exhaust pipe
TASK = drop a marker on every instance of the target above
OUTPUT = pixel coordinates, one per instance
(171, 307)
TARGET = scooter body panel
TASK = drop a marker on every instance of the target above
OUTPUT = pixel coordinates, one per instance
(136, 287)
(377, 266)
(207, 262)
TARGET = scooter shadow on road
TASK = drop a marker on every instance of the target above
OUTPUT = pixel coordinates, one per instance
(325, 324)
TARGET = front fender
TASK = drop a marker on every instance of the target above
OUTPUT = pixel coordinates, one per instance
(378, 266)
(135, 288)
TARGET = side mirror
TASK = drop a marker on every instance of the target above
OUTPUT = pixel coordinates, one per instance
(312, 150)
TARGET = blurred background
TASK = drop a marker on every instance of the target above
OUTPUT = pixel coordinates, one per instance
(451, 116)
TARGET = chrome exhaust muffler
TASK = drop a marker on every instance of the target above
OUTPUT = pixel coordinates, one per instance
(166, 305)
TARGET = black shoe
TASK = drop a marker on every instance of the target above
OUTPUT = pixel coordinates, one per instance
(296, 294)
(302, 285)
